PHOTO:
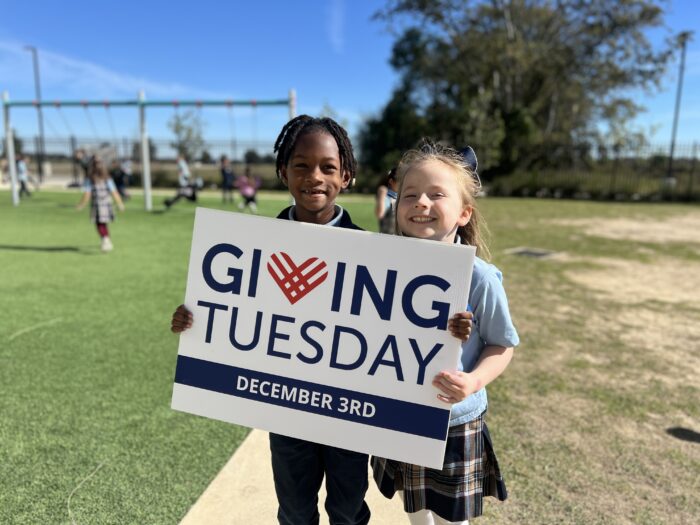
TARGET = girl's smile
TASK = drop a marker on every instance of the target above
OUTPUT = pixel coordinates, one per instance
(421, 219)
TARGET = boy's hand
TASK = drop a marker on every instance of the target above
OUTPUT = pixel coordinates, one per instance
(121, 207)
(460, 325)
(182, 320)
(455, 386)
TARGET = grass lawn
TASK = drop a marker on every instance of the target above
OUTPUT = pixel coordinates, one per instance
(583, 420)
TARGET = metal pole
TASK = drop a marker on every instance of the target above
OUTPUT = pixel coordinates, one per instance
(682, 40)
(145, 154)
(73, 149)
(292, 103)
(10, 149)
(37, 87)
(692, 171)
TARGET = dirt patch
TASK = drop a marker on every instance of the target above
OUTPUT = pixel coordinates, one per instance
(669, 336)
(668, 280)
(609, 385)
(681, 228)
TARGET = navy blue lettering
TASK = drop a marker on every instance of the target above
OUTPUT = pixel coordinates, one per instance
(363, 281)
(254, 269)
(235, 285)
(232, 331)
(442, 309)
(389, 343)
(306, 337)
(338, 287)
(274, 335)
(213, 307)
(334, 349)
(423, 362)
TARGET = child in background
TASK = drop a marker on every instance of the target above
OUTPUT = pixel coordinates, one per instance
(186, 186)
(315, 161)
(386, 200)
(119, 177)
(436, 201)
(248, 188)
(23, 176)
(99, 189)
(228, 179)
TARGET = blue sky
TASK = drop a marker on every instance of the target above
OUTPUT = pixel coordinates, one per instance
(330, 51)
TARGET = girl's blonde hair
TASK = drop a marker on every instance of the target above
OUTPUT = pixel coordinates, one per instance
(474, 232)
(97, 169)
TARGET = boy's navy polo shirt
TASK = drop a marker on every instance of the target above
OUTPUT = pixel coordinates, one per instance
(341, 219)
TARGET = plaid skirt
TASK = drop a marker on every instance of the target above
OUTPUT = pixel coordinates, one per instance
(455, 493)
(101, 203)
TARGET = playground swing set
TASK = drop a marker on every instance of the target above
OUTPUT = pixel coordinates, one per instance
(141, 103)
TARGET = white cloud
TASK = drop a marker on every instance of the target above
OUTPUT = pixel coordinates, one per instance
(72, 77)
(335, 25)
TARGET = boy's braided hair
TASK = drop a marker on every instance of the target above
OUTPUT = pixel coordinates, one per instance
(304, 124)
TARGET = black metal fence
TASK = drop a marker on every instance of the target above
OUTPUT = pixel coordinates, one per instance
(130, 148)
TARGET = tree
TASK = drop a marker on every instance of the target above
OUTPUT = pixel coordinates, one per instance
(17, 142)
(206, 157)
(396, 129)
(518, 78)
(251, 157)
(136, 150)
(328, 111)
(188, 128)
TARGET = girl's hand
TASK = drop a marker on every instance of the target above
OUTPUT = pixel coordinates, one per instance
(121, 207)
(455, 386)
(460, 325)
(79, 207)
(182, 320)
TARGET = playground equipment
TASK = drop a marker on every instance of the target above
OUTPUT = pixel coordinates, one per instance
(141, 103)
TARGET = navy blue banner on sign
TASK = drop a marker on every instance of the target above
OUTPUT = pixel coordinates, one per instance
(378, 411)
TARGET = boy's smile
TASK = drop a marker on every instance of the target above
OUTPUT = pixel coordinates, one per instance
(314, 176)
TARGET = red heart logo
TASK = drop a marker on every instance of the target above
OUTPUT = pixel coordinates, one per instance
(296, 281)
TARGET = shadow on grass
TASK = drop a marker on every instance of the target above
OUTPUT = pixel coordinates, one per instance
(684, 433)
(22, 248)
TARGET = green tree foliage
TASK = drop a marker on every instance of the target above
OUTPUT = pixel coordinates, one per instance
(252, 157)
(18, 145)
(206, 157)
(188, 129)
(523, 80)
(136, 150)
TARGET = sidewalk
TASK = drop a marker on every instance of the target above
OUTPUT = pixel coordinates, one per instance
(243, 492)
(53, 182)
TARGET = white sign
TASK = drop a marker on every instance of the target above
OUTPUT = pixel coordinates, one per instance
(321, 333)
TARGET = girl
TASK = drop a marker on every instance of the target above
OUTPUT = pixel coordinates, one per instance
(385, 203)
(248, 187)
(98, 188)
(436, 200)
(315, 161)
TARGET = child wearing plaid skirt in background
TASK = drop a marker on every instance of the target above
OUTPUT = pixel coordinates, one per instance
(99, 189)
(437, 200)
